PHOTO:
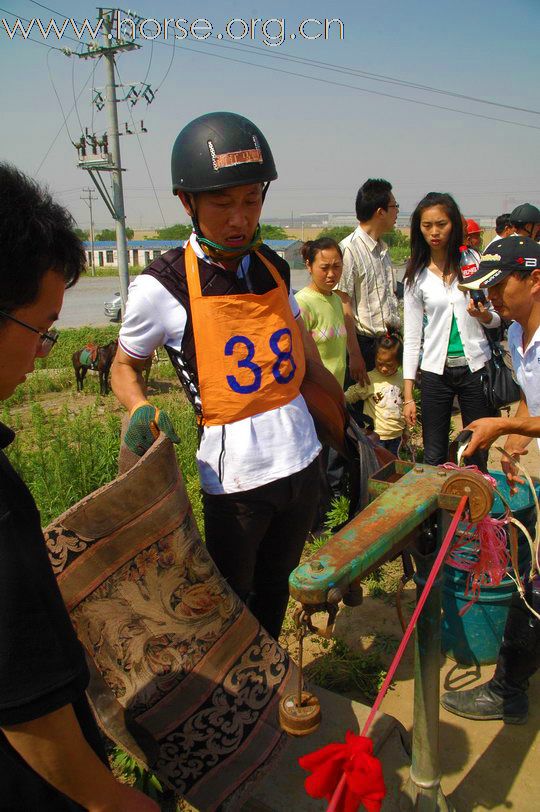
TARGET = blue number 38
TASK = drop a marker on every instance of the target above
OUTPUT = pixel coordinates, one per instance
(283, 358)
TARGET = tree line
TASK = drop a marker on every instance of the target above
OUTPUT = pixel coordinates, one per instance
(180, 231)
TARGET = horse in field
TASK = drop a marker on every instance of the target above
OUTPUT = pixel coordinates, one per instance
(99, 359)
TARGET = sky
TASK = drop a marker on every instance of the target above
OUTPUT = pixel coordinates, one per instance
(329, 126)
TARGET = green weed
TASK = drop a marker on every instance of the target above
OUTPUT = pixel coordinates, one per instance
(63, 457)
(343, 670)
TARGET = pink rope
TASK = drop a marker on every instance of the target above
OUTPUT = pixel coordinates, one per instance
(486, 556)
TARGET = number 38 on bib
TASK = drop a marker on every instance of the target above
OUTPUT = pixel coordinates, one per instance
(243, 350)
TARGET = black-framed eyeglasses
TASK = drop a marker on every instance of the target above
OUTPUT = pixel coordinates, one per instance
(48, 340)
(393, 205)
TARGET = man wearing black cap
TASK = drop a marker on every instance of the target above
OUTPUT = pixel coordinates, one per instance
(511, 273)
(526, 221)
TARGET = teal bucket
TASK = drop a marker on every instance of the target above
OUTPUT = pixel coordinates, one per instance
(475, 637)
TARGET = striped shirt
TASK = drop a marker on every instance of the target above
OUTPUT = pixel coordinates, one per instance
(370, 281)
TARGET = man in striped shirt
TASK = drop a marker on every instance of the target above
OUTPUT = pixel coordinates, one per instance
(367, 286)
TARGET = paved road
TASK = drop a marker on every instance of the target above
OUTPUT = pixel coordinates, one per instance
(83, 304)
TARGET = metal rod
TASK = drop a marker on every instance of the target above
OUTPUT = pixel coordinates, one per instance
(300, 666)
(425, 775)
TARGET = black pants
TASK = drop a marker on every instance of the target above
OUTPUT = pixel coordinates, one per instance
(392, 445)
(256, 538)
(437, 396)
(519, 655)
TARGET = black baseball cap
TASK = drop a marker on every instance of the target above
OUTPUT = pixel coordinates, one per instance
(525, 213)
(503, 258)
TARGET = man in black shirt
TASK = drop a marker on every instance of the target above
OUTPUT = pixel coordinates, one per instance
(51, 755)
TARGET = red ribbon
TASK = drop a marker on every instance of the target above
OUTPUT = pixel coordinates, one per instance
(364, 783)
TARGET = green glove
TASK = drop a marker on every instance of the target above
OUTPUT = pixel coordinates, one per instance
(145, 424)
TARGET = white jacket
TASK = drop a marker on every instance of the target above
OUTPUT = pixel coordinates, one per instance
(429, 306)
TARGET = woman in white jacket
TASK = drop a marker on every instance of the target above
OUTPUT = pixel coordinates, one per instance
(446, 324)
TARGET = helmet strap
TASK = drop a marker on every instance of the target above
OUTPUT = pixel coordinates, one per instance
(217, 251)
(224, 252)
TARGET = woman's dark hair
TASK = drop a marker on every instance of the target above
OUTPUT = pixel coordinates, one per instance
(311, 248)
(391, 340)
(420, 251)
(372, 195)
(36, 236)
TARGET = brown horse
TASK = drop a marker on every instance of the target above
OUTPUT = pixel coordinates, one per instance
(96, 358)
(100, 360)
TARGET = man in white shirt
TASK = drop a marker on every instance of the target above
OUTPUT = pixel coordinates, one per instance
(221, 305)
(511, 274)
(368, 283)
(503, 228)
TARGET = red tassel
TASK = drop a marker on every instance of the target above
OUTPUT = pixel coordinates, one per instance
(364, 782)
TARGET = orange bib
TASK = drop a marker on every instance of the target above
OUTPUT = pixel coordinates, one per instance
(250, 356)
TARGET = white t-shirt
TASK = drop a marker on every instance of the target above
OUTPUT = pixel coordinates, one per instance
(242, 455)
(526, 366)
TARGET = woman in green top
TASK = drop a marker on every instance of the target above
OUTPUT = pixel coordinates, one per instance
(320, 307)
(322, 313)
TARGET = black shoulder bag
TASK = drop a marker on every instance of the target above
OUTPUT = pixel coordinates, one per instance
(500, 388)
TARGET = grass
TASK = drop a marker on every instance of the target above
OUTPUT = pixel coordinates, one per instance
(343, 670)
(63, 457)
(134, 270)
(43, 382)
(399, 254)
(72, 339)
(55, 373)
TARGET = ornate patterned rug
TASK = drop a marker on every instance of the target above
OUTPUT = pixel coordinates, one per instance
(183, 677)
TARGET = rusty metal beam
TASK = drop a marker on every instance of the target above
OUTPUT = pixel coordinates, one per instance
(408, 496)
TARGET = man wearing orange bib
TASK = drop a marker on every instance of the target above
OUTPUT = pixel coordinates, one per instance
(222, 307)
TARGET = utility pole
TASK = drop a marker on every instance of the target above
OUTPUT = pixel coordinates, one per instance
(88, 200)
(116, 173)
(103, 160)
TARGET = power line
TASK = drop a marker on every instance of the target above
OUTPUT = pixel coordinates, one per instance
(74, 98)
(58, 98)
(38, 42)
(53, 142)
(26, 39)
(375, 77)
(160, 85)
(149, 62)
(360, 89)
(330, 66)
(143, 156)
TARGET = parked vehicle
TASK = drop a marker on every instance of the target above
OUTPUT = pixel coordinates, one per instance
(113, 308)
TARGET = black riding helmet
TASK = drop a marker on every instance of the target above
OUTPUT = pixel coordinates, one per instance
(524, 215)
(219, 150)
